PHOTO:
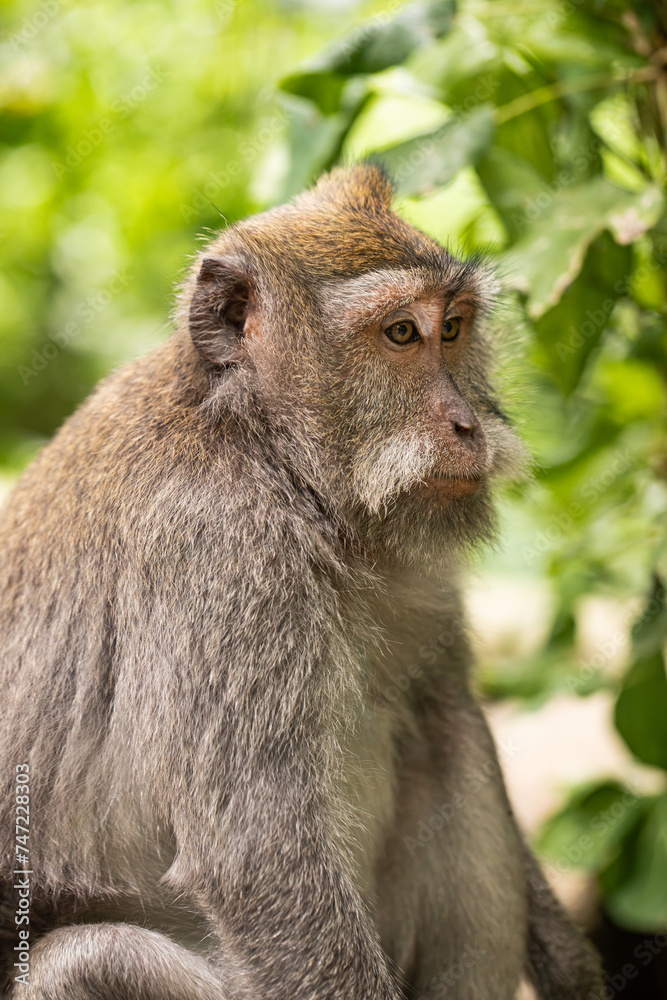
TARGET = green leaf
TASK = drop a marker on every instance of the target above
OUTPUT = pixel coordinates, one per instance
(551, 252)
(530, 135)
(323, 89)
(649, 632)
(388, 119)
(635, 214)
(373, 46)
(512, 183)
(641, 710)
(463, 54)
(587, 832)
(572, 329)
(315, 140)
(633, 389)
(635, 886)
(651, 342)
(431, 160)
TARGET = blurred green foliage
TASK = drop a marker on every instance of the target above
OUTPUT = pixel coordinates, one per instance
(532, 131)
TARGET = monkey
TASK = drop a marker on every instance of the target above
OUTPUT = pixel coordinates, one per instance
(235, 669)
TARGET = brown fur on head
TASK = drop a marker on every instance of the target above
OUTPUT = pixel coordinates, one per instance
(289, 310)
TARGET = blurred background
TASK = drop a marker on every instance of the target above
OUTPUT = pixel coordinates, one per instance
(533, 130)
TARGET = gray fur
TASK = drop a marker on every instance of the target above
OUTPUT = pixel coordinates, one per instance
(237, 666)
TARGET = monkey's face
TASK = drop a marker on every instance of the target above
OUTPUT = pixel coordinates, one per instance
(408, 402)
(367, 348)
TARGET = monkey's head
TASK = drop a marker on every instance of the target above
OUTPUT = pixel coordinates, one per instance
(361, 345)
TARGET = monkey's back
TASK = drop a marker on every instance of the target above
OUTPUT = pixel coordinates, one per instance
(113, 605)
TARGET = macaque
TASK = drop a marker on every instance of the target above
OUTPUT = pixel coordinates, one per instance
(234, 669)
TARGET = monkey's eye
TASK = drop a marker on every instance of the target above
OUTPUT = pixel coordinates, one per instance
(403, 332)
(451, 327)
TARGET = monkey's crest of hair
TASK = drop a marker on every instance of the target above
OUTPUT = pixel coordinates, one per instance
(361, 188)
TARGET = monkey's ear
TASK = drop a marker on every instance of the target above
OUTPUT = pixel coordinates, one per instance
(219, 310)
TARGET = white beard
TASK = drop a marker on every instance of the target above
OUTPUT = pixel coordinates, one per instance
(383, 471)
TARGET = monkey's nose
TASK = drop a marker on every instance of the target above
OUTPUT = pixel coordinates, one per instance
(461, 419)
(464, 428)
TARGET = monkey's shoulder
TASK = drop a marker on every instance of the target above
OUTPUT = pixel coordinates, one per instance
(143, 446)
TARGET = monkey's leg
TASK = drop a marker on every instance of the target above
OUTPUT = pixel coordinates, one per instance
(562, 965)
(452, 907)
(116, 962)
(458, 857)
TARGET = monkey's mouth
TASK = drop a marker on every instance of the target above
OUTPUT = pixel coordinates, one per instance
(452, 486)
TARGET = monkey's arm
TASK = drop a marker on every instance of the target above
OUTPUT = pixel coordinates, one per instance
(561, 963)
